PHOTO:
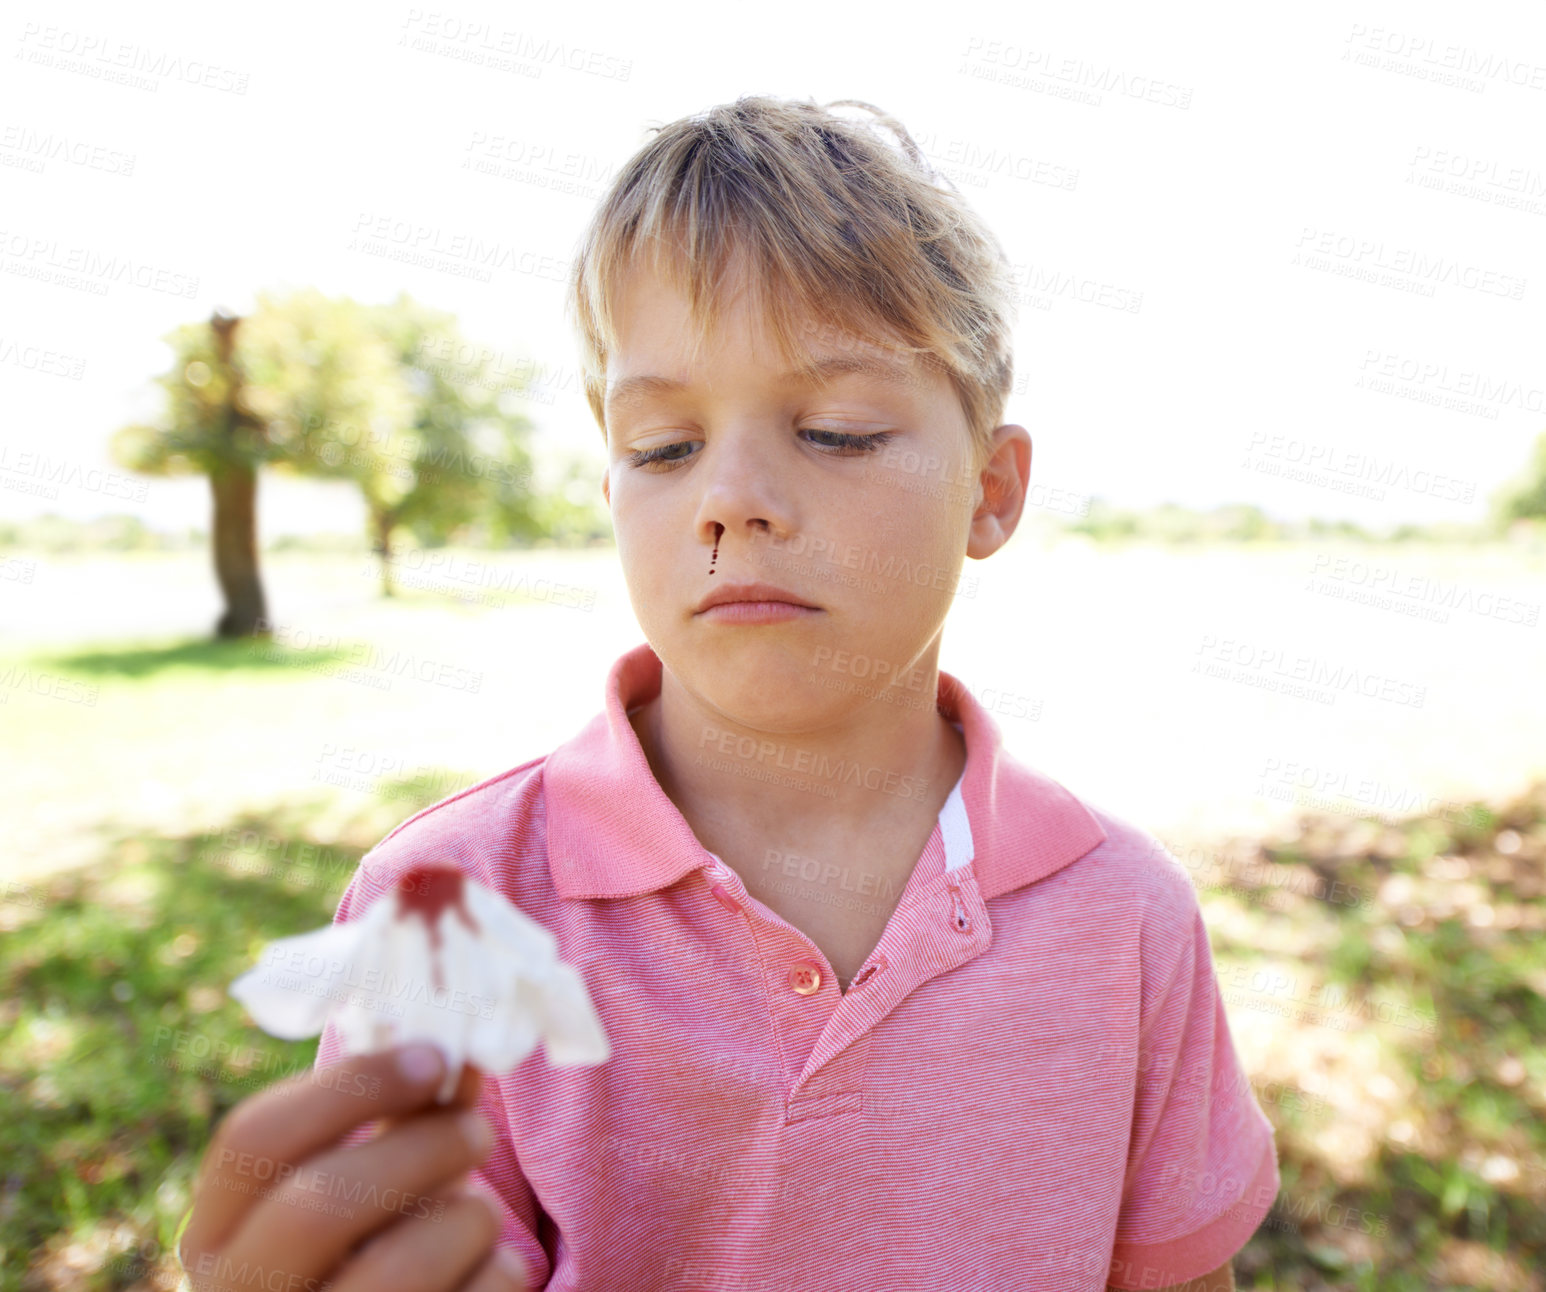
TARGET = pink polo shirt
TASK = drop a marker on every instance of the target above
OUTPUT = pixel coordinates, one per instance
(1030, 1084)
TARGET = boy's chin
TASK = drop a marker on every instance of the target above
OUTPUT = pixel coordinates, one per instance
(770, 693)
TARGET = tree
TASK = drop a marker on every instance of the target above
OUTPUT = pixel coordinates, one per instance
(391, 397)
(1524, 497)
(463, 457)
(395, 399)
(210, 430)
(327, 380)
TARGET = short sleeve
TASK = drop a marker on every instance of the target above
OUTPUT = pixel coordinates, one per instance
(501, 1174)
(1202, 1161)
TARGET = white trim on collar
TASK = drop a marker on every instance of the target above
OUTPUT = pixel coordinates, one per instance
(956, 830)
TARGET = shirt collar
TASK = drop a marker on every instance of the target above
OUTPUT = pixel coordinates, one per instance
(612, 832)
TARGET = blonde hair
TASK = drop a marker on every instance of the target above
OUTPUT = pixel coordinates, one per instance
(838, 225)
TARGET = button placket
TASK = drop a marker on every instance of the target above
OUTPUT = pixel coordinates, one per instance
(804, 976)
(963, 918)
(917, 954)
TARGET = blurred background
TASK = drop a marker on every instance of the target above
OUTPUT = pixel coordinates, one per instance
(299, 494)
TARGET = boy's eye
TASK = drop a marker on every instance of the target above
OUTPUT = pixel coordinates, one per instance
(663, 453)
(666, 453)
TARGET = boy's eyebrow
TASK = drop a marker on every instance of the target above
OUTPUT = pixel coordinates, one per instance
(815, 372)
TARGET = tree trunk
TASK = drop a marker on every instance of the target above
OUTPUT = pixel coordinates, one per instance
(383, 522)
(235, 528)
(234, 486)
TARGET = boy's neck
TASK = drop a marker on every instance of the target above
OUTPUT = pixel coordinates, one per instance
(805, 790)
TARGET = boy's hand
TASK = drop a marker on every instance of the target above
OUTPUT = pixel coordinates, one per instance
(278, 1195)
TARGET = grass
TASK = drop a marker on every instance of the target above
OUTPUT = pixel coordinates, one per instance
(120, 1049)
(1403, 1065)
(1444, 928)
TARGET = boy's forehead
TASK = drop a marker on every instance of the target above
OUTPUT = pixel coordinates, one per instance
(656, 334)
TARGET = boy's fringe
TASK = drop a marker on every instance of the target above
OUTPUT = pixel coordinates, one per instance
(844, 239)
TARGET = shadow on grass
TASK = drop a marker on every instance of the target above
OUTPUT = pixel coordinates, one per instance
(1438, 922)
(119, 1046)
(120, 1049)
(211, 655)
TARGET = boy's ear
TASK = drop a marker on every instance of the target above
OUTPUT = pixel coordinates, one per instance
(606, 486)
(1005, 481)
(1008, 476)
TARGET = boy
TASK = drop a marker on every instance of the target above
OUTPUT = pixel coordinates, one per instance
(888, 1009)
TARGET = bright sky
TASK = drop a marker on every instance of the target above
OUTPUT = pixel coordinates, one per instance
(1259, 248)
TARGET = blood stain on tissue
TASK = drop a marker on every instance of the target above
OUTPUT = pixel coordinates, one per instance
(427, 891)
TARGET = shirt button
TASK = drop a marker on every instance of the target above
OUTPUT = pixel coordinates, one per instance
(805, 977)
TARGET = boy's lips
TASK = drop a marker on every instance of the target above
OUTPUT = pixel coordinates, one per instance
(728, 592)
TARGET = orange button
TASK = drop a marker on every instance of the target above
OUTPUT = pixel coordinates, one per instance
(805, 977)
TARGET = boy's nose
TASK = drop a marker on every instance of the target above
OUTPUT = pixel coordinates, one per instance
(743, 493)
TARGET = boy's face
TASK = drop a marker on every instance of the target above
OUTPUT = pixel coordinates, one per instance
(875, 540)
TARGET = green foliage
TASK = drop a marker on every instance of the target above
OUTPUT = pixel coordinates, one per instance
(1524, 497)
(122, 532)
(190, 436)
(389, 396)
(325, 383)
(1174, 525)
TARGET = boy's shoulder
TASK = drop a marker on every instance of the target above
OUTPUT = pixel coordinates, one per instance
(1047, 831)
(1133, 862)
(1148, 904)
(475, 808)
(490, 830)
(1128, 889)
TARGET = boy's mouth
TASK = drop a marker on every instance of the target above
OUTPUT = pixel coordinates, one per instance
(728, 593)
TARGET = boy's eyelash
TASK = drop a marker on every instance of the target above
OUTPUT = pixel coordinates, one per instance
(845, 440)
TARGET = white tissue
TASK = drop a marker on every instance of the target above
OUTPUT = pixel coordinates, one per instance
(440, 958)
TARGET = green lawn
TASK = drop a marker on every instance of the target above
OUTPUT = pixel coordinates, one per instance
(1384, 977)
(119, 1048)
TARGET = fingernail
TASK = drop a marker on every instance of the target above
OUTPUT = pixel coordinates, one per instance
(419, 1062)
(511, 1264)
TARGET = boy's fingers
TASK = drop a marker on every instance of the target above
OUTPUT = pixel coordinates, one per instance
(267, 1135)
(348, 1194)
(469, 1091)
(440, 1248)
